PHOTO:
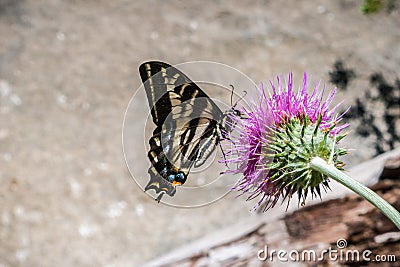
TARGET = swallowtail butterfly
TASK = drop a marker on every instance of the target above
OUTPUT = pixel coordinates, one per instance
(189, 126)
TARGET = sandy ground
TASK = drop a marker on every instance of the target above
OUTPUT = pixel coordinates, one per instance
(67, 72)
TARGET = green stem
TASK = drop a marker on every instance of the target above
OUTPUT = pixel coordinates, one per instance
(322, 166)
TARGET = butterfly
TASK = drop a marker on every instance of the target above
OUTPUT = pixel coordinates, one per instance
(189, 126)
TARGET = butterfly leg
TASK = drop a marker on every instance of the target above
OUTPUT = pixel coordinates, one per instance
(223, 154)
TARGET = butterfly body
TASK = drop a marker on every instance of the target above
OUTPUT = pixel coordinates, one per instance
(189, 125)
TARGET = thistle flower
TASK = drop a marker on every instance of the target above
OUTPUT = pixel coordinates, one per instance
(276, 139)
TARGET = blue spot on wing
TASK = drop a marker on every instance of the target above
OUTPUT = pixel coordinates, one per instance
(171, 177)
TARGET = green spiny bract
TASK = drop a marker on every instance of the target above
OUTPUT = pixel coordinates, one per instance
(289, 150)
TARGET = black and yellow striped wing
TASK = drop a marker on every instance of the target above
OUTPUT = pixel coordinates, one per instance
(188, 125)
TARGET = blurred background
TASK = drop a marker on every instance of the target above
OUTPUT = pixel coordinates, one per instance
(69, 68)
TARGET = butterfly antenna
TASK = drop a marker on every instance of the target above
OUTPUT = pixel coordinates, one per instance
(233, 89)
(240, 99)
